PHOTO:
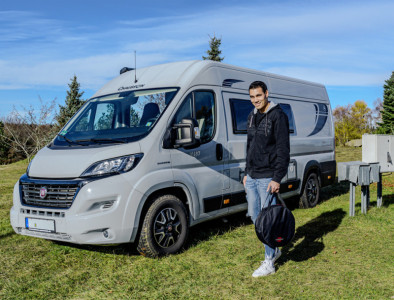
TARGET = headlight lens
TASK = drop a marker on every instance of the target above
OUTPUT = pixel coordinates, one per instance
(113, 166)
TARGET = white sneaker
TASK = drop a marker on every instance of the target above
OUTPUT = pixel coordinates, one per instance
(266, 268)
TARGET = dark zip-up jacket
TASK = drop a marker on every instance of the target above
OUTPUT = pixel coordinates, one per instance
(268, 144)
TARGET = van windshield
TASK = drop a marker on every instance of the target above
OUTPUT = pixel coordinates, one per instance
(116, 118)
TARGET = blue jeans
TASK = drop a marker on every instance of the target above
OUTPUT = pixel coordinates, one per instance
(256, 193)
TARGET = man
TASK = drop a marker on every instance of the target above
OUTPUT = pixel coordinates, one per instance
(267, 159)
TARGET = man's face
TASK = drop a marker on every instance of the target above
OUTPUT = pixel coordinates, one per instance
(259, 98)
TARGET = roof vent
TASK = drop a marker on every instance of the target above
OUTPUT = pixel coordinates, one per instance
(125, 69)
(230, 82)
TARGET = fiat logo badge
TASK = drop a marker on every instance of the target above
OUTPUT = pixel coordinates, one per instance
(43, 192)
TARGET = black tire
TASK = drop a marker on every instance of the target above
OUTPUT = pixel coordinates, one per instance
(165, 227)
(311, 194)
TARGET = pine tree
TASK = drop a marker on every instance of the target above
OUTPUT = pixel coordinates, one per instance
(214, 51)
(387, 125)
(73, 103)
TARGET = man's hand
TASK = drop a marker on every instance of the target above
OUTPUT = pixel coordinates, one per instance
(273, 186)
(244, 181)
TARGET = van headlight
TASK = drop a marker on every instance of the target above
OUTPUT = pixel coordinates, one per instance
(113, 166)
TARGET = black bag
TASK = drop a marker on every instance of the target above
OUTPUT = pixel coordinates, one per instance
(275, 224)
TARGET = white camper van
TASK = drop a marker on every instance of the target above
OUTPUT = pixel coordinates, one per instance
(163, 148)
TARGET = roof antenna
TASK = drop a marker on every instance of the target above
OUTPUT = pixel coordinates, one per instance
(135, 65)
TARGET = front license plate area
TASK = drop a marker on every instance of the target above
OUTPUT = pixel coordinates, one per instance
(40, 224)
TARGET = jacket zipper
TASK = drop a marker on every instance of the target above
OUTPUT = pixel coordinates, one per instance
(250, 123)
(266, 124)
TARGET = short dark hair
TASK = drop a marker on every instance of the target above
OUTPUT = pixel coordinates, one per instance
(257, 84)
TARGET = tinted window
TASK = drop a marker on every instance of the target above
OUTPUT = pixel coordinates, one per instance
(199, 105)
(287, 110)
(204, 104)
(185, 111)
(240, 110)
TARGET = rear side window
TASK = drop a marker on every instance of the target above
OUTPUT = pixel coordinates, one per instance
(287, 110)
(240, 110)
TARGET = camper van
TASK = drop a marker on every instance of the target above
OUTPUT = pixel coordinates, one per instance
(159, 149)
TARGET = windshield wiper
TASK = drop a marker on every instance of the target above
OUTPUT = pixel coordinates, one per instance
(104, 140)
(71, 142)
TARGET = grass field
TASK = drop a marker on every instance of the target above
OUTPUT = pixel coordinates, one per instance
(332, 256)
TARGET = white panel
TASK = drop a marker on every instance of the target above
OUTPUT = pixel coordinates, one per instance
(379, 148)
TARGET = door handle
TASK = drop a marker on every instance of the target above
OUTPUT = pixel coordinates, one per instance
(219, 151)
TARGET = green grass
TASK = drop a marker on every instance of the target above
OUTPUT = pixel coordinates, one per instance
(332, 256)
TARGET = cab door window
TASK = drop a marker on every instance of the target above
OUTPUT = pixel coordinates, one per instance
(201, 106)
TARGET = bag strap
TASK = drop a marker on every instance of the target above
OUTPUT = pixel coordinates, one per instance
(270, 198)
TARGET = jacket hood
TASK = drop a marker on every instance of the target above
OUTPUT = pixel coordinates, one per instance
(271, 106)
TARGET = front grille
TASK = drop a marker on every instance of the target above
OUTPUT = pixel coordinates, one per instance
(57, 195)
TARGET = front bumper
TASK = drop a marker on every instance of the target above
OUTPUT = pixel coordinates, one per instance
(102, 212)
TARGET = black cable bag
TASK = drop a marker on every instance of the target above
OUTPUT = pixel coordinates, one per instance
(275, 225)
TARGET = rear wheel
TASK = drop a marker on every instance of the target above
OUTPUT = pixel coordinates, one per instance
(165, 227)
(311, 193)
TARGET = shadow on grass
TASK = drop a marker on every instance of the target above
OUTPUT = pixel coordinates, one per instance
(206, 230)
(6, 235)
(326, 193)
(334, 190)
(308, 239)
(387, 200)
(121, 249)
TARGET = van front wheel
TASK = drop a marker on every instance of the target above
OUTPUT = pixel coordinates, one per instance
(165, 227)
(311, 194)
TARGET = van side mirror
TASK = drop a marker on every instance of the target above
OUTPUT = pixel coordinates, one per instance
(187, 134)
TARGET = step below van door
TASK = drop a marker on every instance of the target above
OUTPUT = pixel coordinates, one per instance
(202, 168)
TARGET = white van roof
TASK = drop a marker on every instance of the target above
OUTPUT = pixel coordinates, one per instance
(186, 74)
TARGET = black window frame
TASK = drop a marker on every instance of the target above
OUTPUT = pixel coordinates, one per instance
(194, 110)
(233, 114)
(287, 109)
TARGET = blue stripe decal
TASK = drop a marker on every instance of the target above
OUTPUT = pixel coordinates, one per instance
(320, 118)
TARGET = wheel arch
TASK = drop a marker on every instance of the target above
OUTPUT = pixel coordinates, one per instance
(310, 167)
(178, 191)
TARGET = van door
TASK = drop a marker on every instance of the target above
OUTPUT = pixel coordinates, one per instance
(238, 107)
(203, 167)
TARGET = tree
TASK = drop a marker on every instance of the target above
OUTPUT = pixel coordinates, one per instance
(4, 146)
(387, 125)
(352, 121)
(377, 112)
(73, 103)
(343, 126)
(361, 117)
(28, 130)
(214, 51)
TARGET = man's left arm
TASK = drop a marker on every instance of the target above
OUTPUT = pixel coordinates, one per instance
(281, 131)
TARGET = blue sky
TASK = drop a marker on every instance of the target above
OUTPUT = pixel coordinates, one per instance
(346, 45)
